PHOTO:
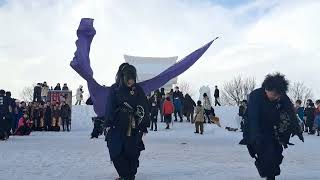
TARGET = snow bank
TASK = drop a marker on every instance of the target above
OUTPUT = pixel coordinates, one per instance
(228, 116)
(81, 117)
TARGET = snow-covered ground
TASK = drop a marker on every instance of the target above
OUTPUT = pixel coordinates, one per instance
(177, 154)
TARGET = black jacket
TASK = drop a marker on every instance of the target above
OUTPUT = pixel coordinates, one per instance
(264, 115)
(188, 104)
(65, 112)
(216, 93)
(154, 106)
(48, 113)
(117, 118)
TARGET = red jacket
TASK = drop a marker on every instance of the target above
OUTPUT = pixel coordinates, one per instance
(167, 108)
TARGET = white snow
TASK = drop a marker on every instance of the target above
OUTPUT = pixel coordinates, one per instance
(177, 154)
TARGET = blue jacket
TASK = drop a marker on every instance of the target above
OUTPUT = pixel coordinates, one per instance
(177, 102)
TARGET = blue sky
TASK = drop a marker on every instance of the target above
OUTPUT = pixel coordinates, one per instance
(230, 3)
(2, 2)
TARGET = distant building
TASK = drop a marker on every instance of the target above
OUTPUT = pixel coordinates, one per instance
(149, 67)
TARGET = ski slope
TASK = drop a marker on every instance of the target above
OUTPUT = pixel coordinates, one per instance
(175, 154)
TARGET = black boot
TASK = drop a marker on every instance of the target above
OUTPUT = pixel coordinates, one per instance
(271, 178)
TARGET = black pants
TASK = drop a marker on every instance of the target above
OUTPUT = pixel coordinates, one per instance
(199, 127)
(127, 162)
(155, 125)
(216, 102)
(154, 119)
(190, 116)
(65, 123)
(269, 158)
(207, 113)
(24, 130)
(177, 111)
(3, 126)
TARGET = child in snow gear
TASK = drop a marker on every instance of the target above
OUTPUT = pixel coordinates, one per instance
(167, 109)
(199, 117)
(271, 121)
(127, 119)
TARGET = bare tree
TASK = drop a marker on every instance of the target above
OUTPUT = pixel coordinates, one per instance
(27, 93)
(185, 88)
(300, 91)
(237, 90)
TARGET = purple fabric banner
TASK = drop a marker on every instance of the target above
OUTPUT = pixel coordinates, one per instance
(98, 93)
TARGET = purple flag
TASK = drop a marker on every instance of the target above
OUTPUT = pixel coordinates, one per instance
(98, 93)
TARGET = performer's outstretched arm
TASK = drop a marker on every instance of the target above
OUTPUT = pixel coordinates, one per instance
(81, 64)
(174, 71)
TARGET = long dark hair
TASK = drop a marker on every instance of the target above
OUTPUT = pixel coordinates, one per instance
(125, 72)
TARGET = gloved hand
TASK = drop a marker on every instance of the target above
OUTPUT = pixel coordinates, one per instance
(300, 136)
(254, 148)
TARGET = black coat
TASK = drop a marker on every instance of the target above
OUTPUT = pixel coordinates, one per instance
(37, 93)
(154, 106)
(57, 88)
(188, 104)
(117, 117)
(48, 114)
(263, 115)
(216, 93)
(178, 94)
(4, 106)
(309, 114)
(65, 112)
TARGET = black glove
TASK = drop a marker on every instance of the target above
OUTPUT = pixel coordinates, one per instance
(300, 136)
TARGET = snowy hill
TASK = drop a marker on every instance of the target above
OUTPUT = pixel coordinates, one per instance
(175, 154)
(81, 117)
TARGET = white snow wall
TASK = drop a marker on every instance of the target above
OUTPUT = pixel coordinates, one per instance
(81, 117)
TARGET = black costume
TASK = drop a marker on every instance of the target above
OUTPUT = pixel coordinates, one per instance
(267, 130)
(127, 118)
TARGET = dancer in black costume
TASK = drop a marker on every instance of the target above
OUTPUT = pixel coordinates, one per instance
(271, 120)
(127, 119)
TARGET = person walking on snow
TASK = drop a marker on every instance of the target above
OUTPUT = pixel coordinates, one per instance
(79, 95)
